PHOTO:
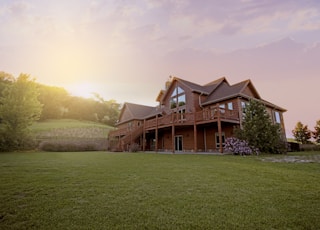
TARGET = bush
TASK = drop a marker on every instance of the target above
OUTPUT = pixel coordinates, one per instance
(239, 147)
(309, 147)
(73, 145)
(134, 147)
(9, 142)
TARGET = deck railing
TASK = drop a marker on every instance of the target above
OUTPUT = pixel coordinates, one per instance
(200, 117)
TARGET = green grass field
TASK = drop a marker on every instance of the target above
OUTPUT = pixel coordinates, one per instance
(65, 123)
(99, 190)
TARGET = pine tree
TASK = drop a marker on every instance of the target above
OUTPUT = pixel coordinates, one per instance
(301, 133)
(316, 133)
(258, 129)
(19, 108)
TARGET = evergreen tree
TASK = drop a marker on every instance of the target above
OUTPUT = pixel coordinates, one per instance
(258, 129)
(19, 108)
(316, 133)
(301, 133)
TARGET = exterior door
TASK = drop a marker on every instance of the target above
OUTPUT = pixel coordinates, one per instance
(178, 143)
(218, 142)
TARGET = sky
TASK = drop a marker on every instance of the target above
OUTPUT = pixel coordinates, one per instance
(126, 50)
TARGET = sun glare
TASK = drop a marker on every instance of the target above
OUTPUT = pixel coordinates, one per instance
(83, 89)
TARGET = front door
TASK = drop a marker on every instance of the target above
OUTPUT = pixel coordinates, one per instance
(178, 143)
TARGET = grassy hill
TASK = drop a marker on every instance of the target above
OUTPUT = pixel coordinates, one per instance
(50, 125)
(68, 134)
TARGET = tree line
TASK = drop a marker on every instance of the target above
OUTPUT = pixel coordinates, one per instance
(23, 101)
(57, 103)
(303, 134)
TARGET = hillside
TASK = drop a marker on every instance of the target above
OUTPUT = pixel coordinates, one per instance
(70, 134)
(54, 124)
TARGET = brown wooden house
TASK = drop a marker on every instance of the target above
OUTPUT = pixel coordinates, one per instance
(189, 117)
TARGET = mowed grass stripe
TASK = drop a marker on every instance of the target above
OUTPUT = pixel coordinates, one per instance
(99, 190)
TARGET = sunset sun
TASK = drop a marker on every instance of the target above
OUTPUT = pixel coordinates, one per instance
(82, 89)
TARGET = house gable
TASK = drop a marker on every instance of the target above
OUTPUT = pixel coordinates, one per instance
(176, 96)
(125, 114)
(132, 111)
(248, 89)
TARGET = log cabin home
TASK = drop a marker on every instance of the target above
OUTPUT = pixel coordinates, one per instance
(188, 118)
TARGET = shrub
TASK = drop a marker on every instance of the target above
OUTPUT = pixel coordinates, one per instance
(10, 142)
(72, 145)
(239, 147)
(134, 147)
(309, 147)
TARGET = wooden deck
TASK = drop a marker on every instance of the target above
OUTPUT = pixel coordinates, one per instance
(181, 119)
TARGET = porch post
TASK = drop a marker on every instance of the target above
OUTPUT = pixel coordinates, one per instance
(195, 140)
(119, 144)
(220, 131)
(156, 134)
(172, 134)
(144, 136)
(240, 112)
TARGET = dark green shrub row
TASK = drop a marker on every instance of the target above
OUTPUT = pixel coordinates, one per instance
(16, 143)
(309, 147)
(73, 145)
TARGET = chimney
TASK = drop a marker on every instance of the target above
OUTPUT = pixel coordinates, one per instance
(168, 82)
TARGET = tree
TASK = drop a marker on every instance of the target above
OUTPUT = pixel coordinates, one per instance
(19, 108)
(258, 129)
(5, 80)
(301, 133)
(107, 111)
(316, 133)
(54, 102)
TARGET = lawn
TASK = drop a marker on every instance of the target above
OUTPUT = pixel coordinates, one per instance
(99, 190)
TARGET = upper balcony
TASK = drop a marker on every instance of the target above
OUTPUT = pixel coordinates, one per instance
(200, 117)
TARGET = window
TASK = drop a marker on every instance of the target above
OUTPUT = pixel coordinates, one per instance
(277, 117)
(182, 113)
(182, 100)
(177, 91)
(230, 106)
(173, 103)
(243, 106)
(213, 111)
(218, 141)
(222, 108)
(178, 143)
(178, 98)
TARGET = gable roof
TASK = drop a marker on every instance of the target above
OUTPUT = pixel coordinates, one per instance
(226, 91)
(193, 86)
(206, 89)
(131, 111)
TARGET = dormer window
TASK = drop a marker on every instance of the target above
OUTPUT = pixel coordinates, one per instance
(178, 98)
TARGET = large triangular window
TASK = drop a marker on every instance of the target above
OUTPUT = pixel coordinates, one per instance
(178, 98)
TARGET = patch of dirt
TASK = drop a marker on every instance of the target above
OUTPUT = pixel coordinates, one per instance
(294, 159)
